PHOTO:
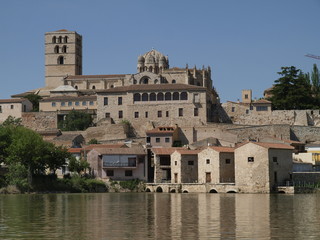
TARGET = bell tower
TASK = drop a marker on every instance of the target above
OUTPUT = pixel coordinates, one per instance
(63, 56)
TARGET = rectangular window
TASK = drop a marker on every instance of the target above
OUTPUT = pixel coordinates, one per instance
(110, 173)
(167, 139)
(251, 107)
(190, 163)
(262, 108)
(53, 104)
(196, 98)
(157, 140)
(250, 159)
(247, 111)
(167, 113)
(146, 114)
(246, 96)
(159, 114)
(69, 103)
(175, 163)
(119, 100)
(196, 112)
(77, 103)
(275, 159)
(228, 161)
(128, 173)
(63, 104)
(208, 161)
(107, 115)
(120, 114)
(105, 101)
(180, 112)
(84, 103)
(0, 109)
(11, 106)
(136, 114)
(91, 103)
(232, 109)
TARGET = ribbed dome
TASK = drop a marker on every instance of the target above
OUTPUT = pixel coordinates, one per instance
(150, 59)
(141, 59)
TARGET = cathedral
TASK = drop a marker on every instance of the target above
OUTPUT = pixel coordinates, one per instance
(155, 92)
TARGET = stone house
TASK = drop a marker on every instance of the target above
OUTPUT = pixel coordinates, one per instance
(184, 166)
(162, 137)
(118, 163)
(216, 165)
(14, 108)
(260, 167)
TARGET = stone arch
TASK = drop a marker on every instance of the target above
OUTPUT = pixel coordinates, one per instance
(136, 97)
(65, 39)
(172, 191)
(213, 191)
(76, 87)
(64, 49)
(60, 39)
(159, 189)
(167, 96)
(153, 96)
(56, 49)
(148, 190)
(54, 39)
(185, 191)
(174, 81)
(93, 87)
(144, 80)
(184, 96)
(175, 96)
(150, 69)
(231, 191)
(145, 97)
(281, 191)
(160, 96)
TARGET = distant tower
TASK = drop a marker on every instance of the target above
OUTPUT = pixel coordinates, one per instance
(63, 56)
(247, 96)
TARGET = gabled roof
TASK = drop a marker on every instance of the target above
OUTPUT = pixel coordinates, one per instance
(222, 149)
(75, 150)
(121, 151)
(13, 100)
(96, 146)
(165, 151)
(188, 152)
(268, 145)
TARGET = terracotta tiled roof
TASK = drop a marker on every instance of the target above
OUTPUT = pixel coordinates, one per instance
(222, 149)
(188, 152)
(75, 77)
(151, 87)
(69, 98)
(261, 101)
(96, 146)
(121, 151)
(75, 150)
(161, 130)
(15, 100)
(62, 30)
(165, 151)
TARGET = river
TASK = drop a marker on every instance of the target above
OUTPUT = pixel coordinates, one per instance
(159, 216)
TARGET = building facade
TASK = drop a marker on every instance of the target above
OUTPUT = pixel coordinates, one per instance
(14, 108)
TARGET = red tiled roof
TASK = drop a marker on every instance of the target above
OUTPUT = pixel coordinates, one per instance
(75, 150)
(75, 77)
(151, 87)
(261, 101)
(165, 151)
(15, 100)
(116, 145)
(222, 149)
(121, 151)
(188, 152)
(62, 30)
(268, 145)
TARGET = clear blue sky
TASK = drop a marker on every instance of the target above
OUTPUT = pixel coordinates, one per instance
(244, 42)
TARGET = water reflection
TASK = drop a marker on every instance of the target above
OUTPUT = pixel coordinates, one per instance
(159, 216)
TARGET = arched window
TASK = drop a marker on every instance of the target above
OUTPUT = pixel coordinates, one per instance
(145, 97)
(76, 87)
(156, 81)
(56, 49)
(60, 39)
(184, 96)
(60, 60)
(65, 39)
(167, 96)
(150, 69)
(111, 86)
(153, 97)
(54, 39)
(93, 87)
(136, 97)
(173, 81)
(175, 96)
(64, 49)
(144, 80)
(160, 96)
(198, 84)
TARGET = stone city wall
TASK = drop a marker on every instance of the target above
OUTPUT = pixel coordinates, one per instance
(40, 121)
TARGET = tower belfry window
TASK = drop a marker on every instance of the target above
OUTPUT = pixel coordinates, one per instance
(60, 60)
(56, 49)
(65, 39)
(64, 49)
(54, 39)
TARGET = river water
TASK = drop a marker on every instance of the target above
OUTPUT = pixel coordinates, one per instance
(159, 216)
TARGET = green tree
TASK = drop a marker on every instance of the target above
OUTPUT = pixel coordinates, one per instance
(76, 121)
(93, 141)
(34, 99)
(315, 80)
(12, 121)
(54, 156)
(291, 91)
(78, 166)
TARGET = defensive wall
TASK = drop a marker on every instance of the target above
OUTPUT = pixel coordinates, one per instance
(40, 121)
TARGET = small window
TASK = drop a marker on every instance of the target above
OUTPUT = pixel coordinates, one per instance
(128, 173)
(93, 87)
(65, 39)
(107, 115)
(84, 103)
(77, 103)
(60, 60)
(53, 104)
(120, 114)
(159, 114)
(180, 112)
(110, 173)
(157, 140)
(251, 107)
(250, 159)
(196, 98)
(228, 161)
(69, 103)
(105, 101)
(167, 140)
(91, 103)
(247, 111)
(76, 87)
(0, 109)
(11, 106)
(119, 100)
(63, 104)
(232, 109)
(146, 114)
(190, 163)
(167, 113)
(246, 96)
(208, 161)
(136, 114)
(262, 108)
(173, 81)
(64, 49)
(275, 159)
(196, 112)
(175, 163)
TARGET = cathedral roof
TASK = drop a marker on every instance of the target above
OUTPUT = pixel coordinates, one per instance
(75, 77)
(154, 55)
